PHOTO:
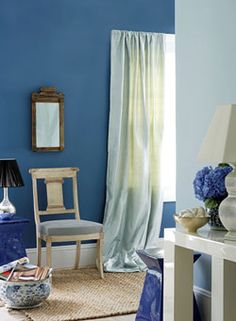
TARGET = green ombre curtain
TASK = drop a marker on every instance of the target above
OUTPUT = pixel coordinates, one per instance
(134, 198)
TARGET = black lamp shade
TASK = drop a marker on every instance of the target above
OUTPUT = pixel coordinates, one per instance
(10, 174)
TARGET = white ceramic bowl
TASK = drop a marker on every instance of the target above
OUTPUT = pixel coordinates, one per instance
(191, 224)
(25, 295)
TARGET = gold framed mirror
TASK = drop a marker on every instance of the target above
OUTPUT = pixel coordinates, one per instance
(47, 120)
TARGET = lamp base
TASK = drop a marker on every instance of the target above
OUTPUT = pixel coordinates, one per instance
(6, 206)
(230, 236)
(227, 208)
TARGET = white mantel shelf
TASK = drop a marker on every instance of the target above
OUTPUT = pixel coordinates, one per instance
(178, 274)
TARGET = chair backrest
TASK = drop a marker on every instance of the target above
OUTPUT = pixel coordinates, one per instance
(53, 178)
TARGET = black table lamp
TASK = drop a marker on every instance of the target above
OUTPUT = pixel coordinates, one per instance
(9, 177)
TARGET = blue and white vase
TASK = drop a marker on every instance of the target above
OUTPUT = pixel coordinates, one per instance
(214, 221)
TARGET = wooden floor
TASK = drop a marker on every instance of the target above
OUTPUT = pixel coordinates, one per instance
(14, 315)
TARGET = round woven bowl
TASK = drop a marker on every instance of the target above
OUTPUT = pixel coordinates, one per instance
(25, 295)
(191, 224)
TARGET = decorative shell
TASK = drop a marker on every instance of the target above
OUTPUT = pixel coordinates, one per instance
(194, 212)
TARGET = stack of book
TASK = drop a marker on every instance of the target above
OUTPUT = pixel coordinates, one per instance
(22, 271)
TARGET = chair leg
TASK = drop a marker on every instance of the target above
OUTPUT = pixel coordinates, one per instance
(77, 256)
(39, 250)
(99, 259)
(49, 252)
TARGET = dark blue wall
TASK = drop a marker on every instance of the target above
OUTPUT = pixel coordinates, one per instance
(65, 43)
(167, 218)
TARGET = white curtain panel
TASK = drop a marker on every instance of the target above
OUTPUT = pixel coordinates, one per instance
(134, 196)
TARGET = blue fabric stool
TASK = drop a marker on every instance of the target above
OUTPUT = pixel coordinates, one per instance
(151, 302)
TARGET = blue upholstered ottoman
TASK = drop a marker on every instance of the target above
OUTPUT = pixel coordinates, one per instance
(11, 239)
(151, 302)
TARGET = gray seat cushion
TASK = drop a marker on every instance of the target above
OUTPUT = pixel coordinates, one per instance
(69, 227)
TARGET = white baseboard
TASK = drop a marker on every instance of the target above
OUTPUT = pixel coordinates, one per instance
(203, 298)
(64, 256)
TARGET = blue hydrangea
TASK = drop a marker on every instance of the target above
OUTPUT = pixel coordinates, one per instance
(209, 183)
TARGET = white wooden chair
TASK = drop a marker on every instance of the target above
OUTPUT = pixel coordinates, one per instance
(62, 230)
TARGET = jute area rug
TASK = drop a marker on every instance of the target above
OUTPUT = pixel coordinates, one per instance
(81, 294)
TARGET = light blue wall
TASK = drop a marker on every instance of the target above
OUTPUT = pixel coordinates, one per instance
(206, 69)
(65, 43)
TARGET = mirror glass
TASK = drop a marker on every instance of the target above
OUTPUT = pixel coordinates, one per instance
(47, 120)
(48, 125)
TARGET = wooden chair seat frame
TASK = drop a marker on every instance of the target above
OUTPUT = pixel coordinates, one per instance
(55, 205)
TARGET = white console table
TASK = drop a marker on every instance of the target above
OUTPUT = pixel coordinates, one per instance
(178, 274)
